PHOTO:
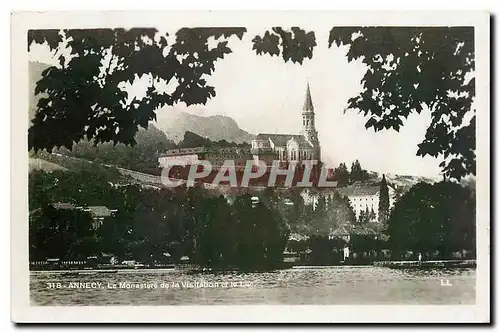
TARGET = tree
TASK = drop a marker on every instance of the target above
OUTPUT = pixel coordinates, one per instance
(341, 175)
(217, 246)
(61, 233)
(193, 140)
(357, 172)
(363, 217)
(383, 201)
(261, 233)
(142, 157)
(372, 216)
(340, 211)
(414, 68)
(320, 223)
(430, 218)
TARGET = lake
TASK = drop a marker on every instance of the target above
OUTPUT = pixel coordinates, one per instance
(300, 285)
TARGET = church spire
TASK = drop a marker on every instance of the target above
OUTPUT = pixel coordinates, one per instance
(308, 104)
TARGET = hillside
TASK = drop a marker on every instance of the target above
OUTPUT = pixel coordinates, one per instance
(174, 123)
(142, 157)
(41, 164)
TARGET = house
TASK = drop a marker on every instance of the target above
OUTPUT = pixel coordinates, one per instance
(98, 214)
(63, 205)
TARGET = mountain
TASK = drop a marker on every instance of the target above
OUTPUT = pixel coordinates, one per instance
(174, 123)
(402, 181)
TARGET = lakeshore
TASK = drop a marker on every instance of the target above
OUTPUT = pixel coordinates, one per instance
(395, 264)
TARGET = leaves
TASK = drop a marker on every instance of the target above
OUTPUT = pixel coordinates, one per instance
(294, 45)
(383, 204)
(50, 36)
(429, 218)
(84, 98)
(410, 68)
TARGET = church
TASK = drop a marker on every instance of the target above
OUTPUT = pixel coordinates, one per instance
(290, 147)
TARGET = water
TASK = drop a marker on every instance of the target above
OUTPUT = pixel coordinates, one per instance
(306, 285)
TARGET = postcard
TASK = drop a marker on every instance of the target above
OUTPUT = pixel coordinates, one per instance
(250, 167)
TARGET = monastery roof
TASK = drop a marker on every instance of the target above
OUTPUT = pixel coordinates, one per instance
(183, 151)
(359, 190)
(281, 139)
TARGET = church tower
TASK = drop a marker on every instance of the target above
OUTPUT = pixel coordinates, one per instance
(308, 124)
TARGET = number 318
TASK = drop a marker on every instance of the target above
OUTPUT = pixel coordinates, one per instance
(53, 285)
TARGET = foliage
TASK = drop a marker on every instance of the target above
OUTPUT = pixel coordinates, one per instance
(60, 234)
(340, 211)
(341, 175)
(85, 99)
(142, 157)
(330, 213)
(294, 45)
(358, 173)
(150, 223)
(383, 203)
(412, 68)
(193, 140)
(325, 251)
(430, 218)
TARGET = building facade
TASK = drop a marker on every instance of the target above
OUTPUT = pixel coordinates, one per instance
(365, 197)
(362, 197)
(215, 156)
(291, 147)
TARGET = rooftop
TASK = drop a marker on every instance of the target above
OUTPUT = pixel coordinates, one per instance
(99, 211)
(359, 190)
(62, 205)
(282, 139)
(183, 151)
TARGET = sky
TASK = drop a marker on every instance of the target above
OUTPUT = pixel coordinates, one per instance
(263, 94)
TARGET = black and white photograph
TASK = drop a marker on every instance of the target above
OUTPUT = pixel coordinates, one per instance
(251, 159)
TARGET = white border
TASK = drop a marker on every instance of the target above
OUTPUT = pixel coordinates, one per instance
(23, 312)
